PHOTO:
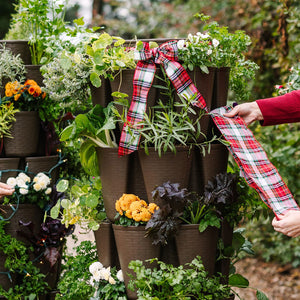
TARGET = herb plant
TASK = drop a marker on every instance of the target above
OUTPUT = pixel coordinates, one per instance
(31, 282)
(168, 282)
(77, 266)
(7, 113)
(82, 204)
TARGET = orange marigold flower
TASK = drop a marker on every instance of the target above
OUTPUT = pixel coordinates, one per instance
(34, 90)
(30, 82)
(152, 207)
(11, 88)
(17, 96)
(126, 200)
(141, 215)
(138, 205)
(118, 207)
(128, 214)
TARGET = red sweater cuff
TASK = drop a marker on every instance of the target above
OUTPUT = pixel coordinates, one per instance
(281, 109)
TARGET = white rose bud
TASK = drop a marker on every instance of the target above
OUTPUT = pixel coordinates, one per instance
(111, 280)
(23, 191)
(180, 44)
(11, 181)
(120, 275)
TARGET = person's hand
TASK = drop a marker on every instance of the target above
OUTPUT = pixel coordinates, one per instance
(249, 111)
(5, 189)
(289, 223)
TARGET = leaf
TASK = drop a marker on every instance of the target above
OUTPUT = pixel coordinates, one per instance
(261, 296)
(54, 212)
(92, 201)
(95, 80)
(52, 255)
(238, 280)
(67, 133)
(62, 185)
(79, 21)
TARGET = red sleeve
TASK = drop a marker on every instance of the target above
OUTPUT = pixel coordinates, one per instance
(281, 109)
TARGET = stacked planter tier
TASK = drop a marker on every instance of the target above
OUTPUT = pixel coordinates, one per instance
(139, 174)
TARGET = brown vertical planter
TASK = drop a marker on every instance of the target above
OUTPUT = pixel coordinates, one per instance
(168, 253)
(113, 173)
(9, 164)
(221, 85)
(106, 246)
(173, 167)
(132, 245)
(25, 135)
(20, 47)
(33, 72)
(191, 243)
(101, 95)
(43, 164)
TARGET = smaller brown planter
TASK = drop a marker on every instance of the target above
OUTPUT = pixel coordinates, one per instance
(113, 173)
(173, 167)
(33, 72)
(191, 243)
(25, 135)
(132, 245)
(101, 95)
(221, 85)
(9, 164)
(43, 164)
(106, 246)
(20, 47)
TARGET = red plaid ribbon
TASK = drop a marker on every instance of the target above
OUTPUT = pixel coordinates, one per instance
(254, 164)
(166, 55)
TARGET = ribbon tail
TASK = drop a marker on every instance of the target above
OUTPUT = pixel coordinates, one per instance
(142, 81)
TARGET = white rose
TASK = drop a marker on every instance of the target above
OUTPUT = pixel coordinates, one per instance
(24, 177)
(215, 42)
(11, 181)
(120, 275)
(97, 275)
(190, 37)
(105, 273)
(111, 280)
(37, 187)
(209, 52)
(23, 191)
(48, 191)
(180, 44)
(96, 266)
(21, 183)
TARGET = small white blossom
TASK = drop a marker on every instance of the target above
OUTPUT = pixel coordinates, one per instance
(24, 177)
(105, 273)
(111, 280)
(215, 42)
(96, 266)
(180, 44)
(21, 183)
(120, 275)
(209, 52)
(203, 36)
(190, 37)
(23, 191)
(37, 187)
(11, 181)
(48, 191)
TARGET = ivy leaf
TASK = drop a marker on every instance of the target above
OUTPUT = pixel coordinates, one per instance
(238, 280)
(261, 296)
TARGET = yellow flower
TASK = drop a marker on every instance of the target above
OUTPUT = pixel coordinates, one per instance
(11, 88)
(137, 205)
(141, 215)
(16, 97)
(30, 82)
(128, 214)
(126, 200)
(118, 207)
(152, 207)
(74, 220)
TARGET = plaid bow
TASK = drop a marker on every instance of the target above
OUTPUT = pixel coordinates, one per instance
(253, 162)
(166, 55)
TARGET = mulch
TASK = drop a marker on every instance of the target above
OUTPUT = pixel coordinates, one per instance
(276, 281)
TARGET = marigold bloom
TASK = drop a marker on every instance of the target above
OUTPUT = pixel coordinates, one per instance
(128, 214)
(152, 207)
(17, 96)
(118, 207)
(126, 200)
(138, 205)
(34, 90)
(141, 215)
(11, 88)
(30, 82)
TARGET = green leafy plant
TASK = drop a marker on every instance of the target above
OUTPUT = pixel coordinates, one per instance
(7, 113)
(168, 282)
(170, 124)
(31, 282)
(217, 47)
(95, 128)
(12, 67)
(40, 22)
(77, 266)
(82, 204)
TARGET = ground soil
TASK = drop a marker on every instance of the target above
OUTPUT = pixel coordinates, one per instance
(277, 282)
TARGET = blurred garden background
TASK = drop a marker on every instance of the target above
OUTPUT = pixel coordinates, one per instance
(274, 28)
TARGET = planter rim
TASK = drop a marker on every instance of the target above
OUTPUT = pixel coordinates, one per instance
(179, 148)
(14, 41)
(135, 228)
(10, 158)
(31, 158)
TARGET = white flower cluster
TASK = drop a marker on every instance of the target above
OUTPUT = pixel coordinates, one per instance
(40, 183)
(101, 273)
